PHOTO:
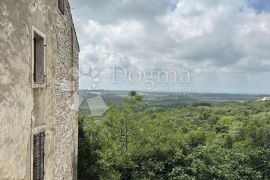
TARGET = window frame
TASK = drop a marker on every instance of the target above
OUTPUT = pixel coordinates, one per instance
(41, 34)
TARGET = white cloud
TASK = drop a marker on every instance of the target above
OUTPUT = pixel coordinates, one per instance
(217, 41)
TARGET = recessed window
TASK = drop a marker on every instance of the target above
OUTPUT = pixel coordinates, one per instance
(61, 6)
(39, 77)
(38, 156)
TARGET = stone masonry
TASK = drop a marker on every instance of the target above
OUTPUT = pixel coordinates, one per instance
(27, 108)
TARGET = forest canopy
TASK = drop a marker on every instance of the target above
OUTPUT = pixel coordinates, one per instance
(229, 140)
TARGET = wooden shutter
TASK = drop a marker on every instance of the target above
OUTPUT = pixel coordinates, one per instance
(39, 154)
(61, 6)
(38, 59)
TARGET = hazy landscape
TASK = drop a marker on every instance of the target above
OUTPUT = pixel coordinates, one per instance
(165, 99)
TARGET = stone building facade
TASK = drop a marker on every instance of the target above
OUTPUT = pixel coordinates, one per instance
(38, 90)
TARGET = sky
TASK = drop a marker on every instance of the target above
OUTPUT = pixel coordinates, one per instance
(174, 45)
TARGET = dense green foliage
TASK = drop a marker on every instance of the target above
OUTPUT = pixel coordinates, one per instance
(200, 141)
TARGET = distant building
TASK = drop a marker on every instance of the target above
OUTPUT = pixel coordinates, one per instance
(38, 87)
(265, 99)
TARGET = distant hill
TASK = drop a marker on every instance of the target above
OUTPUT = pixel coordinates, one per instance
(164, 99)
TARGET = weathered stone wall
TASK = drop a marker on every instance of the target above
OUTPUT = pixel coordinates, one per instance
(15, 94)
(19, 112)
(66, 76)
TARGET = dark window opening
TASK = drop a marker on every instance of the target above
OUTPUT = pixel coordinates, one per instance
(38, 59)
(39, 154)
(61, 6)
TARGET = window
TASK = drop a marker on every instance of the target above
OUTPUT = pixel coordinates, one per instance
(61, 6)
(39, 154)
(39, 77)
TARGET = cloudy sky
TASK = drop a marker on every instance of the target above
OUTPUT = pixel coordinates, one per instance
(202, 45)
